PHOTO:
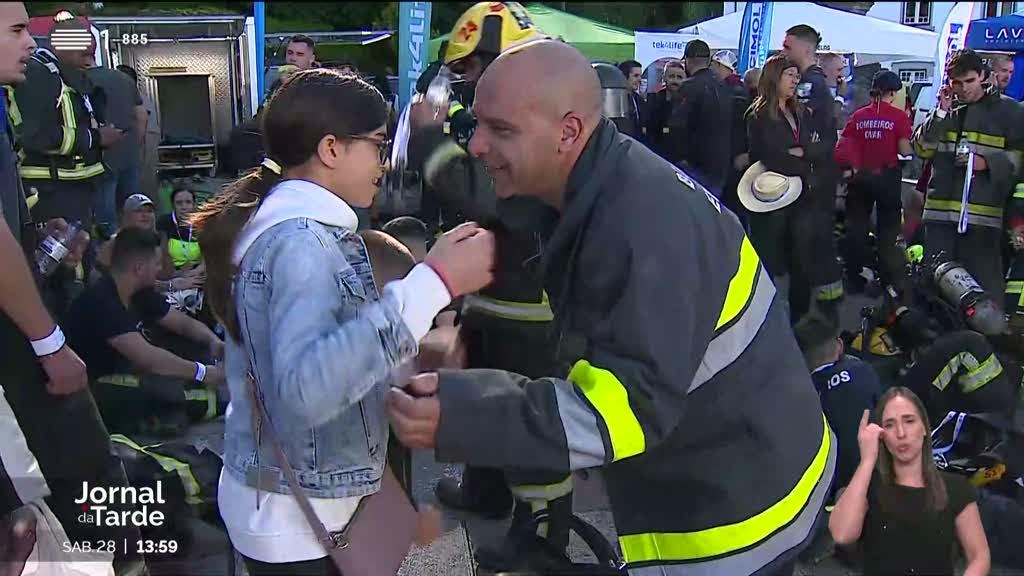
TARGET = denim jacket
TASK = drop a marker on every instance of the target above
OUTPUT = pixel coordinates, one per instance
(324, 344)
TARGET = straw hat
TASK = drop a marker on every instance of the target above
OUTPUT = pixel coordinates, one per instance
(761, 191)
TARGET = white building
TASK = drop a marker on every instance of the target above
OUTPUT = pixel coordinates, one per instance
(928, 15)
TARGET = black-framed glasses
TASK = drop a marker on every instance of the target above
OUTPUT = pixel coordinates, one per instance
(383, 146)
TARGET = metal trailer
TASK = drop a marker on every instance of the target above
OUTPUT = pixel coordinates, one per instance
(196, 72)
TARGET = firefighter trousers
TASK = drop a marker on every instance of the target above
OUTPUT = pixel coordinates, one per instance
(526, 348)
(68, 200)
(979, 250)
(879, 191)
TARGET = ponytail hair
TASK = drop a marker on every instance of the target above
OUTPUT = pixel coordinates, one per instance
(309, 106)
(219, 222)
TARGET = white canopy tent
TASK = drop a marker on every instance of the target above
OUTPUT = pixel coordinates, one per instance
(653, 46)
(842, 32)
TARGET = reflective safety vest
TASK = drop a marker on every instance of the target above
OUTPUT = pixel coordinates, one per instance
(54, 129)
(184, 253)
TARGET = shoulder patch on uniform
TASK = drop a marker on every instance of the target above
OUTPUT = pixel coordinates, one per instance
(689, 182)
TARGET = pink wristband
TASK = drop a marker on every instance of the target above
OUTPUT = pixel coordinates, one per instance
(444, 279)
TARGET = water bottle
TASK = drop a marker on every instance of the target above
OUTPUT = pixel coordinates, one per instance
(52, 251)
(439, 90)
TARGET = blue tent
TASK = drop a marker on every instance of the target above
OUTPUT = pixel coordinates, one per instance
(1003, 34)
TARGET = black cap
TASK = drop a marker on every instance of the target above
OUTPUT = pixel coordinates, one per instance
(886, 81)
(697, 49)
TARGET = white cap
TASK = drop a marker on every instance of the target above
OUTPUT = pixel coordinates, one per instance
(726, 58)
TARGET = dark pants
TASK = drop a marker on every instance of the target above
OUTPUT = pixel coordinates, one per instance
(68, 439)
(69, 200)
(785, 241)
(979, 250)
(522, 347)
(879, 191)
(320, 567)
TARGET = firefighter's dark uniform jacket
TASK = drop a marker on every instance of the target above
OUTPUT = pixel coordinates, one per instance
(961, 372)
(991, 126)
(513, 313)
(56, 131)
(688, 387)
(701, 128)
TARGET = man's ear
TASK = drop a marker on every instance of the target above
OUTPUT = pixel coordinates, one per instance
(572, 131)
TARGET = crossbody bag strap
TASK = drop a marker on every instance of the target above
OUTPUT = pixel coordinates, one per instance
(326, 539)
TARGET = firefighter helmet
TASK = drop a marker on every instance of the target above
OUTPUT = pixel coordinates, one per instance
(491, 28)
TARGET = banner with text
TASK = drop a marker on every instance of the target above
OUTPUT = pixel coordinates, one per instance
(413, 40)
(754, 35)
(952, 37)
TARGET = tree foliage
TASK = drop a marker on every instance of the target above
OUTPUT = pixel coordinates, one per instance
(328, 16)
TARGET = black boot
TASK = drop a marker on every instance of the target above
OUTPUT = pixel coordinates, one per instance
(536, 541)
(524, 550)
(482, 491)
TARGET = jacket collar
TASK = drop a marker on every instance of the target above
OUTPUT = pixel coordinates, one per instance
(581, 193)
(292, 199)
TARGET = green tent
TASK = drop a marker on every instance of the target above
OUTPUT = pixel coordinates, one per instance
(597, 40)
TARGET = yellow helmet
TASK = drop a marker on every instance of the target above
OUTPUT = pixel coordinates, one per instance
(489, 27)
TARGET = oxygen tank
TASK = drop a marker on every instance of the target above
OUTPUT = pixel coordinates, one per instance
(959, 288)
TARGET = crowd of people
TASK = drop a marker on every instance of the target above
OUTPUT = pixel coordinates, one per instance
(655, 295)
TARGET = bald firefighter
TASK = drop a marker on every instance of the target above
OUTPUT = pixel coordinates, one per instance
(687, 388)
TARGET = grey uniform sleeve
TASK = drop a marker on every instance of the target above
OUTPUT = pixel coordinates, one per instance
(624, 397)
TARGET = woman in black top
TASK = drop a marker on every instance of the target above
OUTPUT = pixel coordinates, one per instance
(780, 138)
(907, 515)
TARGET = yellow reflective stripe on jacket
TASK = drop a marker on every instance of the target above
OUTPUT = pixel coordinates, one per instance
(978, 373)
(611, 401)
(829, 292)
(977, 138)
(988, 371)
(13, 112)
(207, 395)
(1018, 191)
(730, 538)
(522, 311)
(1016, 287)
(125, 380)
(182, 469)
(741, 287)
(954, 206)
(69, 125)
(455, 108)
(79, 172)
(923, 150)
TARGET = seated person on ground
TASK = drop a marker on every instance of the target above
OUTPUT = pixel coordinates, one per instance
(181, 244)
(139, 213)
(108, 326)
(953, 371)
(411, 232)
(846, 386)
